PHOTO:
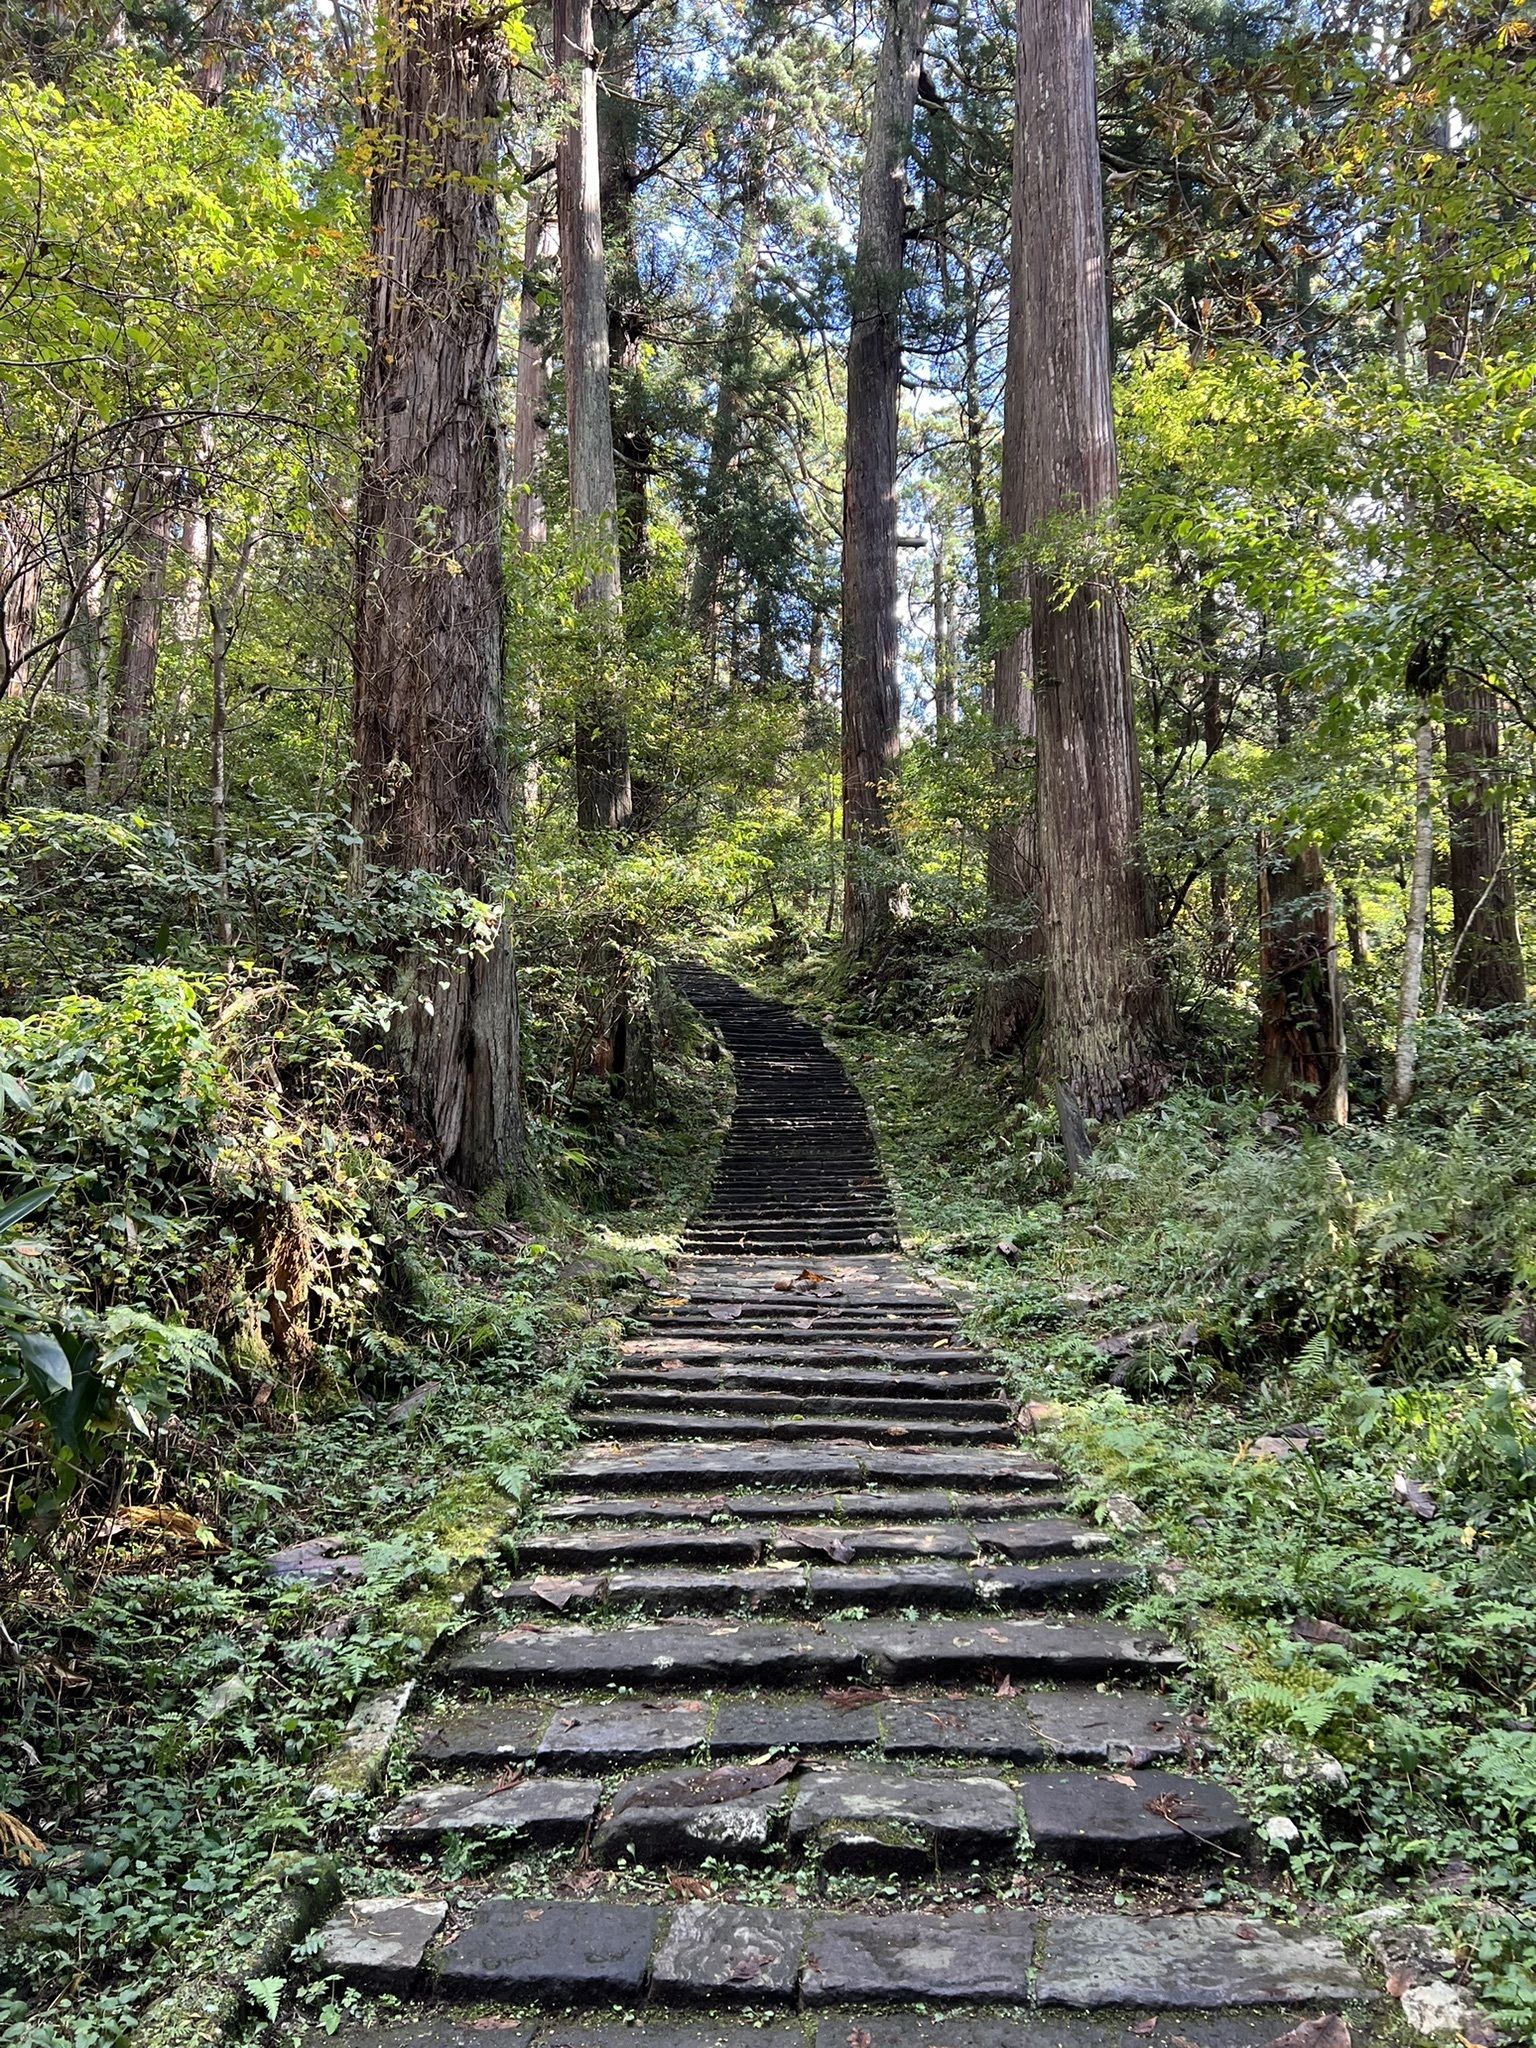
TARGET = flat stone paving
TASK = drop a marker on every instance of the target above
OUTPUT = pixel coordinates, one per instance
(829, 1681)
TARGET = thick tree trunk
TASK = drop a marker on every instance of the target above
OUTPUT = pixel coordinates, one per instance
(530, 416)
(618, 121)
(1488, 967)
(603, 796)
(871, 637)
(712, 542)
(1106, 1019)
(428, 645)
(21, 589)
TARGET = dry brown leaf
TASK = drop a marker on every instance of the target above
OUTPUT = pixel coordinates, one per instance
(1006, 1689)
(687, 1887)
(1121, 1778)
(1328, 2031)
(171, 1523)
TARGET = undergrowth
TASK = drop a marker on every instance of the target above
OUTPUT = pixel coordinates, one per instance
(1307, 1359)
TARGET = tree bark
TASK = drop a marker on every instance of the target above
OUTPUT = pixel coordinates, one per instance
(21, 589)
(432, 780)
(871, 638)
(1106, 1014)
(530, 416)
(1416, 922)
(140, 616)
(603, 795)
(1488, 967)
(618, 120)
(1301, 1010)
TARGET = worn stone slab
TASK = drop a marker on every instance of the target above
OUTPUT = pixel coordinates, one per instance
(545, 1811)
(955, 1814)
(1195, 1959)
(969, 1958)
(915, 1504)
(744, 1727)
(652, 1652)
(822, 1545)
(608, 1507)
(778, 1507)
(621, 1466)
(997, 1728)
(1159, 1819)
(482, 1737)
(933, 1649)
(1059, 2028)
(725, 1951)
(1040, 1536)
(669, 2033)
(959, 1468)
(437, 2033)
(572, 1951)
(1081, 1725)
(1058, 1582)
(936, 1582)
(599, 1550)
(620, 1732)
(378, 1945)
(682, 1816)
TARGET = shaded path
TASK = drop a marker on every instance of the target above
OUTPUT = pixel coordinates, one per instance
(804, 1632)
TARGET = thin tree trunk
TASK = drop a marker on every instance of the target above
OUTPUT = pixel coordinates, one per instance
(223, 609)
(1106, 1014)
(1301, 1010)
(603, 795)
(1221, 961)
(871, 637)
(1489, 966)
(432, 779)
(140, 614)
(1410, 994)
(943, 646)
(21, 589)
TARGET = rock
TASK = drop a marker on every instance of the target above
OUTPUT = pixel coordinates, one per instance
(970, 1958)
(321, 1560)
(624, 1732)
(545, 1811)
(1446, 2012)
(727, 1951)
(1000, 1729)
(1122, 1513)
(1307, 1630)
(378, 1945)
(1303, 1766)
(745, 1726)
(1147, 1819)
(1177, 1960)
(567, 1951)
(682, 1816)
(484, 1737)
(1329, 2031)
(955, 1816)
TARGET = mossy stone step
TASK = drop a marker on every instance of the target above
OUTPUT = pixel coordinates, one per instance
(833, 1417)
(844, 1467)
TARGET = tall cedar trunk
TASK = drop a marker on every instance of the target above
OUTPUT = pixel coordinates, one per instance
(1105, 1011)
(1488, 967)
(530, 416)
(1302, 1051)
(1221, 957)
(618, 119)
(1008, 1001)
(140, 616)
(871, 639)
(734, 380)
(432, 780)
(603, 796)
(21, 589)
(943, 645)
(1420, 878)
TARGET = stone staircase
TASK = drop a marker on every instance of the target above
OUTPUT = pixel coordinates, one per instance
(798, 1711)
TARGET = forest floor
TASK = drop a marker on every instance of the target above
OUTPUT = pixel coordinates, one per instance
(173, 1702)
(1352, 1564)
(1367, 1662)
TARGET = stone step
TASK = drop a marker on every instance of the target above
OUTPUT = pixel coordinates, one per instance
(619, 1467)
(936, 1584)
(1068, 1724)
(839, 1418)
(563, 1952)
(684, 1543)
(882, 2027)
(686, 1652)
(769, 1361)
(929, 1503)
(802, 1398)
(791, 1383)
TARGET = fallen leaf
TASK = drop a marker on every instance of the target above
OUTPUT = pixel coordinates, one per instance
(561, 1592)
(171, 1523)
(1121, 1778)
(859, 2038)
(1006, 1689)
(1329, 2031)
(854, 1696)
(687, 1887)
(724, 1315)
(1142, 2027)
(1412, 1495)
